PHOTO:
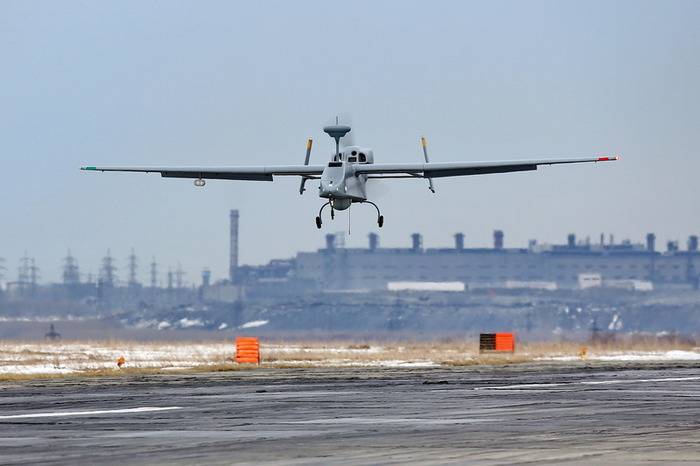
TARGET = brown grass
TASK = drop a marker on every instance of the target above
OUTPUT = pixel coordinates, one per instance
(307, 354)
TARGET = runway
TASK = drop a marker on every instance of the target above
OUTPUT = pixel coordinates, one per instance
(530, 413)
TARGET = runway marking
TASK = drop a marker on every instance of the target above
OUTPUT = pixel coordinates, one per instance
(143, 409)
(586, 382)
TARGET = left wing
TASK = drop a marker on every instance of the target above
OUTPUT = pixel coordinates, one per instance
(445, 169)
(263, 173)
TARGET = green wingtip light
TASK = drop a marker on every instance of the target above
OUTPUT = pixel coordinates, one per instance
(88, 168)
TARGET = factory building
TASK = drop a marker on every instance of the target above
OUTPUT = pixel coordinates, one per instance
(545, 267)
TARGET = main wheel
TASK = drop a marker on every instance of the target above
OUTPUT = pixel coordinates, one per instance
(380, 221)
(318, 222)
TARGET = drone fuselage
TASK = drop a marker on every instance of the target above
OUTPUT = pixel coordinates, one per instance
(340, 183)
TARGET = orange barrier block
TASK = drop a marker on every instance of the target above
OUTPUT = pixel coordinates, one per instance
(496, 342)
(247, 350)
(505, 342)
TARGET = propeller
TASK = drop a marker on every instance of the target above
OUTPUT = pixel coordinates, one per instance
(377, 188)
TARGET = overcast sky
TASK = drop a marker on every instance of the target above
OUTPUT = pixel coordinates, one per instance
(235, 83)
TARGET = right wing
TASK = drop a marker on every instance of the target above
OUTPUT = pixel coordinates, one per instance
(445, 169)
(262, 173)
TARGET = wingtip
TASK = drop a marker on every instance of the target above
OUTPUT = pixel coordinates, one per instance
(89, 168)
(609, 158)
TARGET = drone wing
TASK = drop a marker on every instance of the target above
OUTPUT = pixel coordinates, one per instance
(445, 169)
(262, 173)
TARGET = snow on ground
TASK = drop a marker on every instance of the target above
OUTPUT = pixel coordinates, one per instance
(69, 357)
(58, 357)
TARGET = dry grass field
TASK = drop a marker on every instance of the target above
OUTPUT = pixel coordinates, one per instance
(33, 359)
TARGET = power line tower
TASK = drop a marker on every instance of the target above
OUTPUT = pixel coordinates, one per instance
(33, 275)
(23, 273)
(154, 273)
(108, 271)
(133, 270)
(179, 277)
(71, 272)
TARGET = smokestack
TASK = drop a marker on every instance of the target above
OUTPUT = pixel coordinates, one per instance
(498, 239)
(693, 243)
(571, 240)
(233, 254)
(330, 242)
(416, 242)
(459, 241)
(651, 242)
(373, 241)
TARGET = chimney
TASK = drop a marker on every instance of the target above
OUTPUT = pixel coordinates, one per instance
(651, 242)
(693, 243)
(498, 239)
(233, 254)
(571, 240)
(373, 241)
(330, 242)
(416, 242)
(459, 241)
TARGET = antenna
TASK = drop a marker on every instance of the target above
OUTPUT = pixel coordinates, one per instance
(337, 131)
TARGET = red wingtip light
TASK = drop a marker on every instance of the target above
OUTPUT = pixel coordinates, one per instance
(608, 159)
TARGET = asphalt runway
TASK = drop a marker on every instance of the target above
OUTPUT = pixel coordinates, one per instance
(580, 414)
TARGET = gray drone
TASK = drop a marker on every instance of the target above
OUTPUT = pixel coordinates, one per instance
(343, 180)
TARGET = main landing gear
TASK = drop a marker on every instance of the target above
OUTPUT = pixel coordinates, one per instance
(319, 222)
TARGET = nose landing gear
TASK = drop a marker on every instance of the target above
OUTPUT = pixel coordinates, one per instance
(380, 217)
(319, 221)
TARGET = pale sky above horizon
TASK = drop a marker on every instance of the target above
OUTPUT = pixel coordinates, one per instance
(228, 83)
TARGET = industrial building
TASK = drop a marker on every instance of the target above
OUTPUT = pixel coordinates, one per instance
(565, 266)
(572, 265)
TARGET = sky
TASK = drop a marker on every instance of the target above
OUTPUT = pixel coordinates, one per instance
(245, 83)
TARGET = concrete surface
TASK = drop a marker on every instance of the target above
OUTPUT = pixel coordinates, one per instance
(574, 414)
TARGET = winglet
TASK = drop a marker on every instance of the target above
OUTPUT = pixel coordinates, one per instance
(609, 159)
(89, 168)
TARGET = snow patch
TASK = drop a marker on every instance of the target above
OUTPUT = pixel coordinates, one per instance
(187, 323)
(254, 323)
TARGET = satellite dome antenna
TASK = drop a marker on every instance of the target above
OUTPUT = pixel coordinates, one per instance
(336, 131)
